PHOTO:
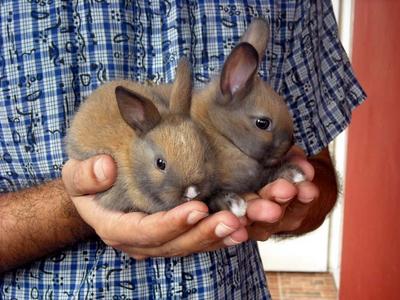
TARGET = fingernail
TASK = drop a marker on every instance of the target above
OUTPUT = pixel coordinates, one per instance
(283, 200)
(99, 171)
(222, 230)
(228, 241)
(306, 200)
(195, 216)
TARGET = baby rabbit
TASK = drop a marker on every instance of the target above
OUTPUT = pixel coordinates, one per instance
(247, 122)
(163, 159)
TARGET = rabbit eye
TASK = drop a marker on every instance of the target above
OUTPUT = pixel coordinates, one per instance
(161, 164)
(264, 123)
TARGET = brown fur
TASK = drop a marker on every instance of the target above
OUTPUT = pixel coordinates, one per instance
(101, 127)
(257, 35)
(182, 89)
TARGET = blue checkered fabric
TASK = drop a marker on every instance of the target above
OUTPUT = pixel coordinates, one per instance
(53, 53)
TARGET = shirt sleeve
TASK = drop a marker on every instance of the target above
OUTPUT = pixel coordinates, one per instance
(318, 81)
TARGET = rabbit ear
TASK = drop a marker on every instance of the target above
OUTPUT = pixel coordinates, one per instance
(181, 94)
(238, 73)
(136, 110)
(257, 35)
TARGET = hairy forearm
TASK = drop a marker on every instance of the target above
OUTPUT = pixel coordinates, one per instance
(36, 222)
(326, 181)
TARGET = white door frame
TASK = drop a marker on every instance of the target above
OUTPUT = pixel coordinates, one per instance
(344, 10)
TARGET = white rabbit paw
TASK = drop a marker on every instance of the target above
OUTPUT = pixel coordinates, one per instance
(229, 201)
(291, 173)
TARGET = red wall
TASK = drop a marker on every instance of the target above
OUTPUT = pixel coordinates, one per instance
(371, 245)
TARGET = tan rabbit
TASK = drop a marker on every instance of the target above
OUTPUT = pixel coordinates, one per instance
(247, 122)
(163, 159)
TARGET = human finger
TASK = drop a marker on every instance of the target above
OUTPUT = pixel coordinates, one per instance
(139, 229)
(216, 231)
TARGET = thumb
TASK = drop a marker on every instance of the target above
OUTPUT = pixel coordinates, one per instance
(90, 176)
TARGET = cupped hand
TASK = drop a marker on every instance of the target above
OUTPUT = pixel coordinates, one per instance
(181, 231)
(281, 206)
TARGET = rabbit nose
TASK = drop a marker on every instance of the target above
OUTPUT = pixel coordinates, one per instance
(191, 192)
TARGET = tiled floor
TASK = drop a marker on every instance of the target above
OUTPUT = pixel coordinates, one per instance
(301, 286)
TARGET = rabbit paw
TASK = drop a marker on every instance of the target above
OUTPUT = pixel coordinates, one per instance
(229, 201)
(291, 173)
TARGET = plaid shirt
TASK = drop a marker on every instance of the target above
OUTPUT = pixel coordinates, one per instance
(53, 53)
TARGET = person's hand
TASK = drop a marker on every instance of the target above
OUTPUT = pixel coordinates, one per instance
(281, 206)
(181, 231)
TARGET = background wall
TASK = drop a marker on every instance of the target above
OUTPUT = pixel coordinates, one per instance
(371, 242)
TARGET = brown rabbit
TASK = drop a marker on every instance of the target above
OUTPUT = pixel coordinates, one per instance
(163, 159)
(247, 122)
